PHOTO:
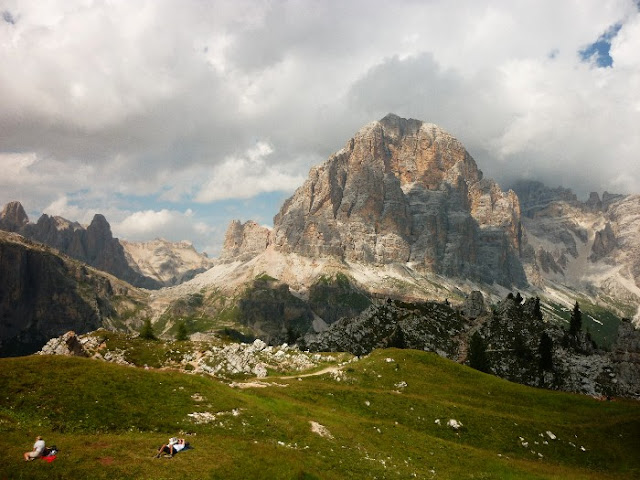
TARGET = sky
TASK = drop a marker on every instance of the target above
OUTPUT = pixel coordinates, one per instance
(173, 117)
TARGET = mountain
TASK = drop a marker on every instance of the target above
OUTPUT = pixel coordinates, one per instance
(588, 247)
(400, 192)
(168, 263)
(44, 294)
(403, 212)
(93, 245)
(151, 265)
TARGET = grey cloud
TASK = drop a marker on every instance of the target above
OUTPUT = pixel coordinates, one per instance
(145, 100)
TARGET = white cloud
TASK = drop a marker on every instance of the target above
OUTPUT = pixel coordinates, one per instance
(246, 176)
(189, 103)
(62, 208)
(163, 223)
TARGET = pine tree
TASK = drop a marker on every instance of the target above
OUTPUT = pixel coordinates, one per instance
(147, 331)
(537, 311)
(575, 324)
(182, 333)
(545, 349)
(478, 354)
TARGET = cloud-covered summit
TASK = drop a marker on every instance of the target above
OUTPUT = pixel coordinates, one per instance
(186, 114)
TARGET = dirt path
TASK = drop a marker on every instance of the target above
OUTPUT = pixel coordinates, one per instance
(268, 381)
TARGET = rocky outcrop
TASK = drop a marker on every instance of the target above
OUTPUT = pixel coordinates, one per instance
(429, 326)
(603, 244)
(203, 355)
(168, 263)
(93, 245)
(473, 306)
(43, 295)
(535, 196)
(244, 241)
(13, 218)
(68, 345)
(511, 339)
(403, 191)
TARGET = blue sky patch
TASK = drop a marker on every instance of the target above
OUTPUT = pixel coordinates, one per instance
(599, 50)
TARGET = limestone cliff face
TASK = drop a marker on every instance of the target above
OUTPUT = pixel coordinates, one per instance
(589, 246)
(93, 245)
(43, 295)
(405, 191)
(169, 263)
(244, 240)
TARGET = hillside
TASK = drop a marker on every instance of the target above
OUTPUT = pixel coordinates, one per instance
(44, 294)
(384, 416)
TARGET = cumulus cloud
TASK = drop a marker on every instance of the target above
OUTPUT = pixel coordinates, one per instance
(171, 225)
(159, 106)
(247, 176)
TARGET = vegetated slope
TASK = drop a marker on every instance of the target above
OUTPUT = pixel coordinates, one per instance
(44, 294)
(384, 416)
(512, 341)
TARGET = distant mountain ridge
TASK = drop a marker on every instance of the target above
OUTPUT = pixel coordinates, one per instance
(149, 265)
(93, 245)
(169, 263)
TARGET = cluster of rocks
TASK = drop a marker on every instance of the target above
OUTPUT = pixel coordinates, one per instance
(256, 359)
(430, 326)
(207, 357)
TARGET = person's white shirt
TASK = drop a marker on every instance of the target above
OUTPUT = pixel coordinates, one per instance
(38, 447)
(178, 446)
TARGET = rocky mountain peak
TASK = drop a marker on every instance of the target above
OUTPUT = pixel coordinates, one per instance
(94, 244)
(100, 225)
(13, 217)
(415, 151)
(404, 191)
(244, 241)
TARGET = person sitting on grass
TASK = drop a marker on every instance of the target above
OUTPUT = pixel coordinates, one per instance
(174, 446)
(38, 449)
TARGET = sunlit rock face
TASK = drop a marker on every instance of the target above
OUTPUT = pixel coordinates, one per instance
(168, 263)
(405, 191)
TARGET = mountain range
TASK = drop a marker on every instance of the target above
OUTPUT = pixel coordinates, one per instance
(401, 212)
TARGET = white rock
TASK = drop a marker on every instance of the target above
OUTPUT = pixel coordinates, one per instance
(455, 424)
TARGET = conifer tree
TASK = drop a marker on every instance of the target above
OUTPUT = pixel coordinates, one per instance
(182, 333)
(478, 354)
(545, 349)
(147, 331)
(575, 324)
(537, 311)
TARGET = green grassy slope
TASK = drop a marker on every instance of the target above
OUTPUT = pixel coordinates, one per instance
(107, 421)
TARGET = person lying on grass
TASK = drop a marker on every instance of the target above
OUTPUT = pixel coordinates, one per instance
(174, 446)
(38, 449)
